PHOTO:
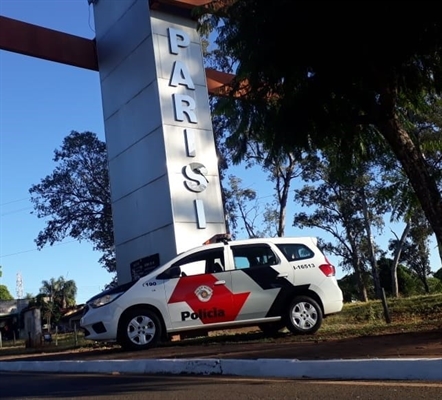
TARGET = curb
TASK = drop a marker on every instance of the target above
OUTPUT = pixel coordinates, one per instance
(429, 369)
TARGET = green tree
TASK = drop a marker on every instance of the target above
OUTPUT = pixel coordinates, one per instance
(337, 219)
(67, 292)
(49, 289)
(434, 285)
(408, 283)
(396, 246)
(59, 291)
(343, 206)
(281, 167)
(349, 286)
(74, 199)
(416, 252)
(336, 91)
(246, 212)
(46, 301)
(4, 293)
(55, 295)
(425, 127)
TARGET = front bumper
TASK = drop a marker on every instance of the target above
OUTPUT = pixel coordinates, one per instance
(101, 324)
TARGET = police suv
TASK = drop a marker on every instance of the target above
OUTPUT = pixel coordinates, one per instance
(271, 283)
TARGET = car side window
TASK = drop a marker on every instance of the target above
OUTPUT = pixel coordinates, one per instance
(253, 256)
(295, 251)
(203, 262)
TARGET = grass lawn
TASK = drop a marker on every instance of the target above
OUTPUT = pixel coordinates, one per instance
(413, 314)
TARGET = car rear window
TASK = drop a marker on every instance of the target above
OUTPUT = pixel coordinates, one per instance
(295, 251)
(253, 256)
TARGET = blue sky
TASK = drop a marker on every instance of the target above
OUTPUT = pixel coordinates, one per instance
(40, 103)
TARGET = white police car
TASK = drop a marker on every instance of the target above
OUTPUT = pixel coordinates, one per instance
(272, 283)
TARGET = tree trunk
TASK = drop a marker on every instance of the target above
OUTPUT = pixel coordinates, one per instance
(356, 262)
(283, 199)
(425, 282)
(397, 255)
(439, 246)
(363, 296)
(373, 262)
(412, 162)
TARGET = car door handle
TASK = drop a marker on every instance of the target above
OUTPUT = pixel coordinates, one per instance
(220, 283)
(283, 275)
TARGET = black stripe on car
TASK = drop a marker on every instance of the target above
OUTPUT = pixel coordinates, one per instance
(284, 298)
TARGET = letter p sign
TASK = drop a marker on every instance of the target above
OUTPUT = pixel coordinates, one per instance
(177, 38)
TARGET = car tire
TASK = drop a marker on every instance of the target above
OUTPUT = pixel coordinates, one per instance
(139, 329)
(271, 328)
(304, 316)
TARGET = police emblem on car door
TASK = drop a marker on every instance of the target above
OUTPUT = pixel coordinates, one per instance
(202, 294)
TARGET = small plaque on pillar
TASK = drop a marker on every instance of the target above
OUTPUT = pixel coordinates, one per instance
(143, 266)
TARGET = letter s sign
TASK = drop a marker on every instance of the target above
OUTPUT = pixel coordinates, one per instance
(196, 173)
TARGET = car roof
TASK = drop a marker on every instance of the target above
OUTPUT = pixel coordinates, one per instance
(309, 240)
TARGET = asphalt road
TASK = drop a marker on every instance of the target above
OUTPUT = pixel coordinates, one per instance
(253, 346)
(111, 387)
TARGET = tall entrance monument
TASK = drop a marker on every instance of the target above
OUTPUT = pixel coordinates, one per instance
(165, 186)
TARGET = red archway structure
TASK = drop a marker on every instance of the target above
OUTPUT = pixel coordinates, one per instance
(36, 41)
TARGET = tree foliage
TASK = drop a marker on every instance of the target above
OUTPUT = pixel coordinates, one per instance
(352, 79)
(5, 294)
(247, 213)
(415, 250)
(408, 283)
(74, 199)
(280, 167)
(55, 296)
(438, 274)
(346, 206)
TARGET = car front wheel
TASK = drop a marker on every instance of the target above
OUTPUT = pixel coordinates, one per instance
(304, 316)
(139, 329)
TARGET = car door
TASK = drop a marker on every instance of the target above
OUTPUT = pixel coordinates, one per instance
(304, 262)
(201, 294)
(261, 272)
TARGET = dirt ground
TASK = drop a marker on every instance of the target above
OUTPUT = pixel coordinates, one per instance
(403, 345)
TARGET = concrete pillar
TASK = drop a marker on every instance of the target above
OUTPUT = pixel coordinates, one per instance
(165, 187)
(32, 328)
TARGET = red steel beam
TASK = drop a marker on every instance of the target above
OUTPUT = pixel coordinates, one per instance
(36, 41)
(218, 82)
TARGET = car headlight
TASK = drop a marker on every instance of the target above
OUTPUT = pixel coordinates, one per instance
(105, 299)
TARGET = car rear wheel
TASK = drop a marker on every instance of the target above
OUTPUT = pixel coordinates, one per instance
(304, 316)
(139, 329)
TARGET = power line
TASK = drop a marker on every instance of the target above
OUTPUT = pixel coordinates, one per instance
(28, 251)
(15, 201)
(15, 211)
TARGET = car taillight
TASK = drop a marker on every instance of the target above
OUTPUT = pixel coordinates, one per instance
(328, 269)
